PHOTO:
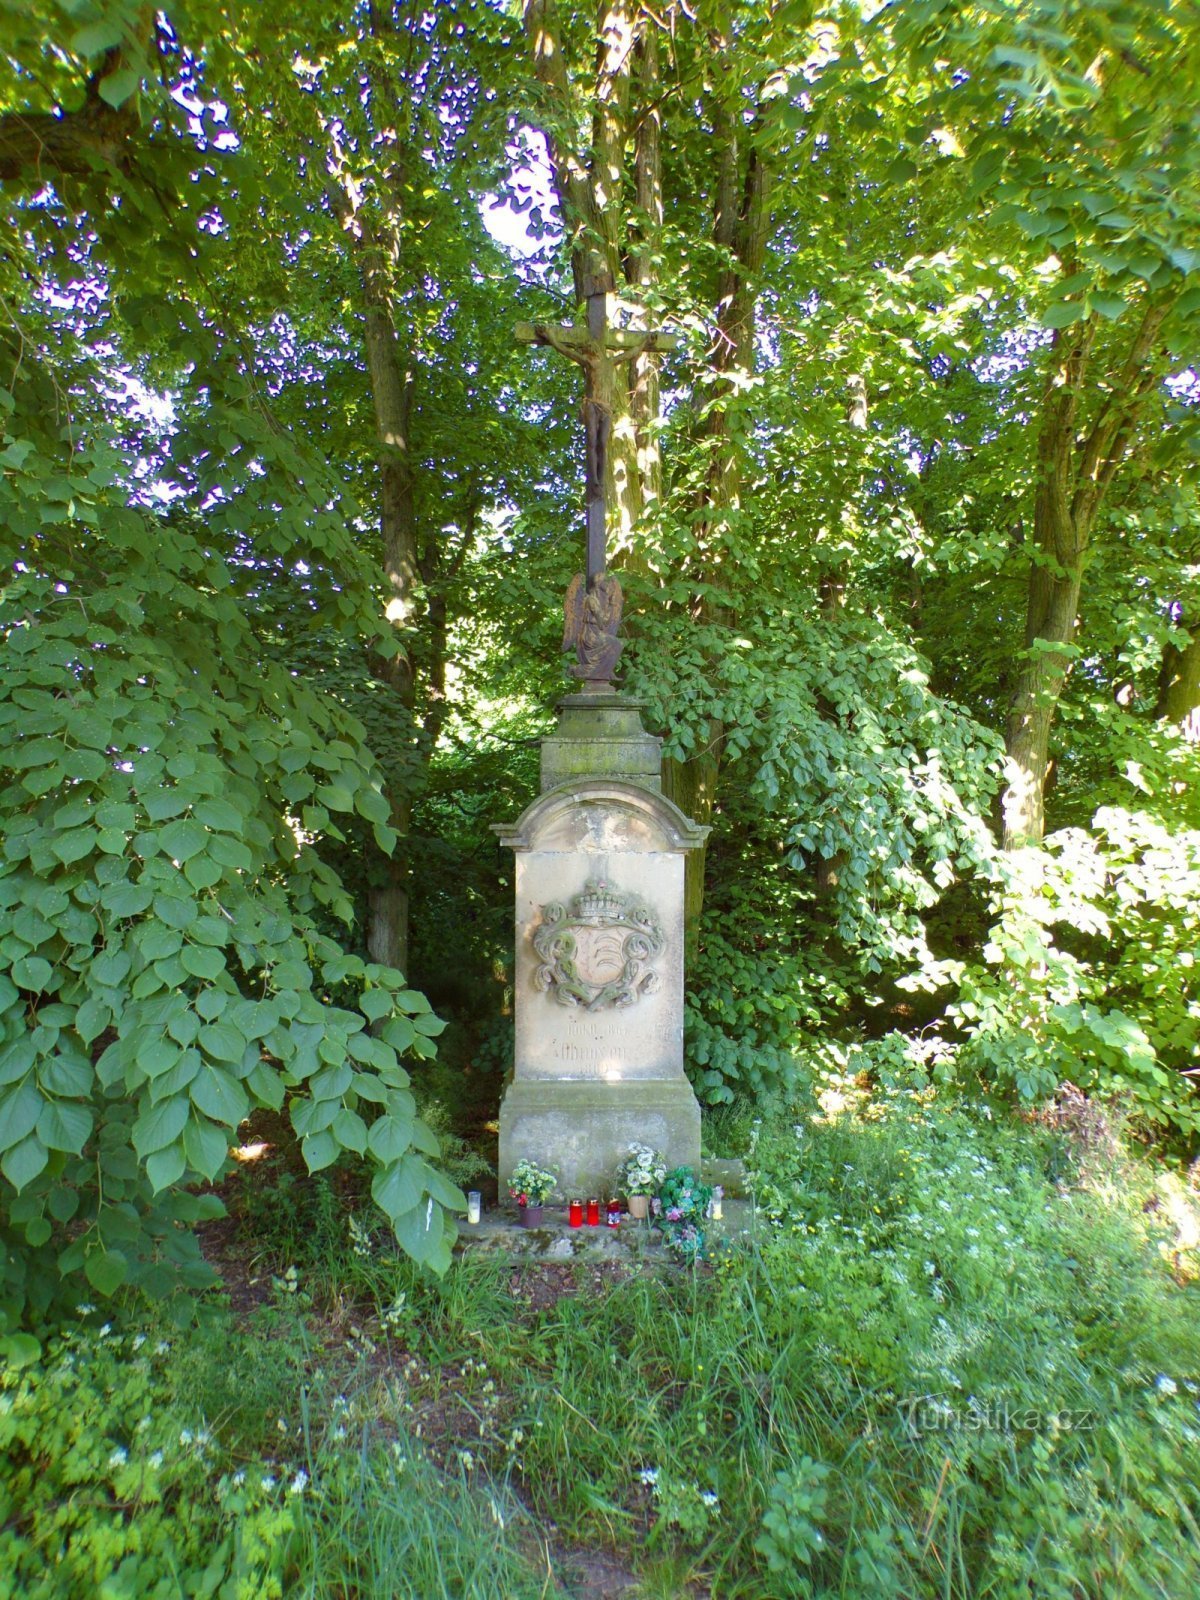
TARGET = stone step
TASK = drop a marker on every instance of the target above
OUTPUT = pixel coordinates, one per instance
(498, 1232)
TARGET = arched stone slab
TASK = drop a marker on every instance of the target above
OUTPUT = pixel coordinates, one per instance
(598, 982)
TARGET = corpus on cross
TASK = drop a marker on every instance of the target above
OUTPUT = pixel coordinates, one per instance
(593, 603)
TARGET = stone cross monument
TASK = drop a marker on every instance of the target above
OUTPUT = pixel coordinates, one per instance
(599, 879)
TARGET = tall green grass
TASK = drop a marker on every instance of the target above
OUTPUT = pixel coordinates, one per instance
(951, 1365)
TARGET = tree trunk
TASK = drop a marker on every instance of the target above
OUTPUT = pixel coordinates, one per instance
(1052, 608)
(1076, 465)
(740, 224)
(391, 393)
(1179, 688)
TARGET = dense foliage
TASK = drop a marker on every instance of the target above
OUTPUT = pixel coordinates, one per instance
(907, 526)
(959, 1360)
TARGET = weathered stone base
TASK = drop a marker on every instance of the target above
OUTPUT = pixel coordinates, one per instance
(585, 1129)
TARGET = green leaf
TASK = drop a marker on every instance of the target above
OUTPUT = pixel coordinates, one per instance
(376, 1003)
(1111, 306)
(91, 1019)
(1061, 313)
(64, 1126)
(160, 1125)
(165, 1167)
(222, 1041)
(22, 1164)
(32, 972)
(202, 961)
(126, 899)
(157, 942)
(220, 1096)
(19, 1350)
(397, 1189)
(119, 86)
(388, 1138)
(350, 1131)
(158, 1056)
(206, 1147)
(73, 846)
(20, 1109)
(336, 797)
(183, 839)
(319, 1150)
(202, 871)
(106, 1271)
(420, 1234)
(175, 912)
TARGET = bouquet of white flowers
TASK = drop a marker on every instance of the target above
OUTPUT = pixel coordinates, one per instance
(643, 1170)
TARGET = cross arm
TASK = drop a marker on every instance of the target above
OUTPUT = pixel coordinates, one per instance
(577, 344)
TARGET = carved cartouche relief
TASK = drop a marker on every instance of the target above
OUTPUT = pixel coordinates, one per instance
(598, 949)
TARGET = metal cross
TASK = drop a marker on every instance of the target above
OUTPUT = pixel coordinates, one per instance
(599, 349)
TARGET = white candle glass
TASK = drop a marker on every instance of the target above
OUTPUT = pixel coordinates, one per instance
(474, 1205)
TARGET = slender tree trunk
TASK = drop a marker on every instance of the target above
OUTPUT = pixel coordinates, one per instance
(642, 264)
(1077, 462)
(741, 217)
(1179, 688)
(1052, 608)
(391, 393)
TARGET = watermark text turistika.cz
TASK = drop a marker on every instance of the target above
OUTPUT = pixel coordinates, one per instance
(939, 1413)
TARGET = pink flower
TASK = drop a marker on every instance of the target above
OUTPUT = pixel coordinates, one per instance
(674, 1214)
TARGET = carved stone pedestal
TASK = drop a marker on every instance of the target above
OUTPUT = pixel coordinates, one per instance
(599, 959)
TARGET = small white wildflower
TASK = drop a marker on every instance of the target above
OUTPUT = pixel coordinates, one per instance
(185, 1438)
(238, 1479)
(156, 1460)
(466, 1460)
(161, 1348)
(119, 1457)
(710, 1498)
(267, 1483)
(105, 1330)
(1166, 1385)
(139, 1340)
(298, 1483)
(86, 1309)
(143, 1424)
(649, 1476)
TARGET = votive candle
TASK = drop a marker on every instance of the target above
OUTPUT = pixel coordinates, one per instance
(614, 1214)
(474, 1205)
(575, 1213)
(717, 1210)
(593, 1214)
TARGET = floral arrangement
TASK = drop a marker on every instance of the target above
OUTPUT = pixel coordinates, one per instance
(681, 1207)
(531, 1185)
(642, 1170)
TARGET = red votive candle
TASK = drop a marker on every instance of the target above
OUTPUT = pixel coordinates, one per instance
(593, 1214)
(575, 1213)
(614, 1213)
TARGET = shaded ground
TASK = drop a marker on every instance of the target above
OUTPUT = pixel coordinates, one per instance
(443, 1411)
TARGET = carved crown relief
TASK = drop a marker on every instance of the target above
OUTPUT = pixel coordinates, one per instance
(598, 949)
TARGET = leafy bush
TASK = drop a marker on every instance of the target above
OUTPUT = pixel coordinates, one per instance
(112, 1487)
(1091, 973)
(162, 970)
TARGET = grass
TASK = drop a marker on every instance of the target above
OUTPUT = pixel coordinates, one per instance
(958, 1364)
